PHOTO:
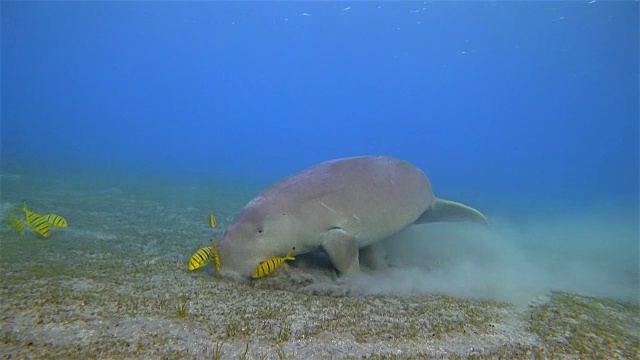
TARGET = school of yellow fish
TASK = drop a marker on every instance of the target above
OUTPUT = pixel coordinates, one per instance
(41, 224)
(209, 253)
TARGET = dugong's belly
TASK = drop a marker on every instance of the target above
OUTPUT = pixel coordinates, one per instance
(368, 197)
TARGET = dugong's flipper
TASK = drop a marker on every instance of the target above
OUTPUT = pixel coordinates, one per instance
(342, 249)
(451, 211)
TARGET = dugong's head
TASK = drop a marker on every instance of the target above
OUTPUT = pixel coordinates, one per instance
(254, 236)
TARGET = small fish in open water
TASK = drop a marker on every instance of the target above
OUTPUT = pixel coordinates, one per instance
(216, 258)
(35, 221)
(267, 267)
(212, 221)
(203, 256)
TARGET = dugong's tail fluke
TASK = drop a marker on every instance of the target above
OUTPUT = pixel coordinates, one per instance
(451, 211)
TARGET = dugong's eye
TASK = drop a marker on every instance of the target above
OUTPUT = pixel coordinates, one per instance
(259, 230)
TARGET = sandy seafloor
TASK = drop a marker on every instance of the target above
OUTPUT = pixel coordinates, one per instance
(115, 284)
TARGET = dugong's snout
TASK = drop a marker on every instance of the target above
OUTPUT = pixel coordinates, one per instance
(242, 249)
(235, 258)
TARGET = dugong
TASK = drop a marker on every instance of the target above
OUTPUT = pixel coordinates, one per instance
(340, 206)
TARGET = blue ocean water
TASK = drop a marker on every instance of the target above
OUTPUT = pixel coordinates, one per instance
(517, 108)
(519, 100)
(137, 119)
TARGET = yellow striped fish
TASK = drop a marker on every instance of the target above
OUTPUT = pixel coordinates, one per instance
(216, 258)
(35, 221)
(212, 221)
(267, 267)
(55, 221)
(203, 256)
(18, 225)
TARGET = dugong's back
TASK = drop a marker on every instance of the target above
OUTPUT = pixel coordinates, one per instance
(370, 196)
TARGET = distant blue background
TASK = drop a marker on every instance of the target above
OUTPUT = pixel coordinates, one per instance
(523, 101)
